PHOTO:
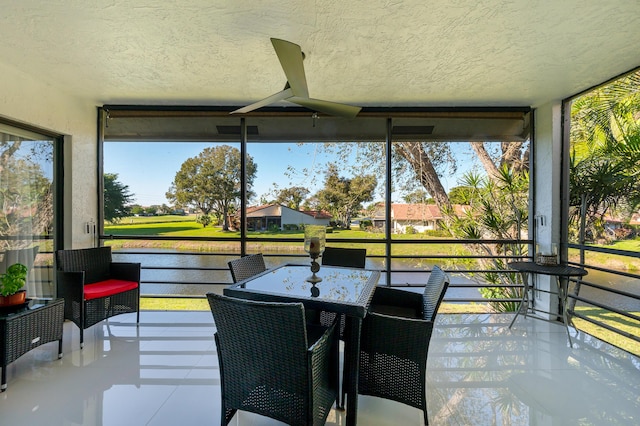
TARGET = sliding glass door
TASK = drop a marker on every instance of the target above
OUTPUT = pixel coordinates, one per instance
(27, 205)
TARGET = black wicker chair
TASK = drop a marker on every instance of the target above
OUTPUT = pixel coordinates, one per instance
(395, 340)
(349, 257)
(272, 363)
(95, 288)
(246, 267)
(346, 257)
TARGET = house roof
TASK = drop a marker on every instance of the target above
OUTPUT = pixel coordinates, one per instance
(316, 214)
(416, 211)
(373, 54)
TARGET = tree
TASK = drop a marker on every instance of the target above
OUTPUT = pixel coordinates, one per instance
(292, 197)
(343, 197)
(26, 194)
(461, 195)
(116, 198)
(605, 155)
(136, 209)
(211, 182)
(419, 196)
(498, 210)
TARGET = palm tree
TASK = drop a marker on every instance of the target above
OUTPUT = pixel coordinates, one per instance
(605, 154)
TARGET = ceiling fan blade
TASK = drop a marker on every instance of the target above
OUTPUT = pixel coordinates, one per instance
(331, 108)
(290, 56)
(285, 94)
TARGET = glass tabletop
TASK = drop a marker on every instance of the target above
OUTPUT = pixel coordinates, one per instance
(558, 270)
(29, 305)
(339, 286)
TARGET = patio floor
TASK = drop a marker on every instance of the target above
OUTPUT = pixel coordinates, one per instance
(479, 373)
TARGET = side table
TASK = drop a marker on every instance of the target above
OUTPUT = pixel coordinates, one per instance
(561, 272)
(24, 328)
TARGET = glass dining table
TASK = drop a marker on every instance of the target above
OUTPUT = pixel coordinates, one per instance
(345, 291)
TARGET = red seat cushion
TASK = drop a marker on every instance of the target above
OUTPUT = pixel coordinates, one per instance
(107, 288)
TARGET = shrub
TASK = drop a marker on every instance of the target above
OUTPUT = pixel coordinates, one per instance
(437, 233)
(203, 219)
(366, 224)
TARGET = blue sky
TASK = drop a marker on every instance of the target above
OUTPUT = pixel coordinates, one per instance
(148, 168)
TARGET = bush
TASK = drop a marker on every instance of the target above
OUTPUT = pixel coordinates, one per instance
(366, 224)
(329, 230)
(410, 230)
(203, 219)
(437, 233)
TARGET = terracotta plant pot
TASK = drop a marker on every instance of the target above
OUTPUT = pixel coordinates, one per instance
(13, 299)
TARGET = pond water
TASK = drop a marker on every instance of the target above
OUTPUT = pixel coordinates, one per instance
(164, 268)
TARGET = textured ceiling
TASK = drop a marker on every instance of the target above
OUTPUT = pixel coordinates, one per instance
(367, 53)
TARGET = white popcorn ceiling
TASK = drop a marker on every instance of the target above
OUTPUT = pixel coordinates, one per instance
(366, 53)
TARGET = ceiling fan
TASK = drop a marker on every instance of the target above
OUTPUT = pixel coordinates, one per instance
(296, 91)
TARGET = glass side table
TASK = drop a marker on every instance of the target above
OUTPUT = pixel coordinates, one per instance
(28, 326)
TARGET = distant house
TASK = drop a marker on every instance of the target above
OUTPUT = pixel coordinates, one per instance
(275, 215)
(421, 217)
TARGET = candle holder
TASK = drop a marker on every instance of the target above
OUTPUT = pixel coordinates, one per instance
(314, 243)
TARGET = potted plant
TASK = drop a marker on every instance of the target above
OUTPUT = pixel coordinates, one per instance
(11, 283)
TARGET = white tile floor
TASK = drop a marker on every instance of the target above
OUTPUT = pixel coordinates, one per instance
(479, 373)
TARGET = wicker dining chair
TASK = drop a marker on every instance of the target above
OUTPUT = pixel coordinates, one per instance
(345, 257)
(272, 363)
(246, 267)
(395, 340)
(348, 257)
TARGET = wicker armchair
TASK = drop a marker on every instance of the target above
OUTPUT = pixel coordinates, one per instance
(395, 340)
(272, 363)
(246, 267)
(95, 288)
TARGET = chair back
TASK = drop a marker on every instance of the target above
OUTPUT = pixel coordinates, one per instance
(95, 262)
(434, 292)
(246, 267)
(262, 347)
(348, 257)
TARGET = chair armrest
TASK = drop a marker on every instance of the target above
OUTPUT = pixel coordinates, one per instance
(385, 299)
(399, 336)
(70, 284)
(127, 271)
(323, 366)
(322, 337)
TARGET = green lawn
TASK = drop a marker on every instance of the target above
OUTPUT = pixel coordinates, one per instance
(611, 319)
(186, 226)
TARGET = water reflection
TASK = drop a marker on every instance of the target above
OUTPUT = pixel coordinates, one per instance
(163, 269)
(480, 372)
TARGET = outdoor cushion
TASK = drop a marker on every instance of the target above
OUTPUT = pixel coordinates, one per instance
(107, 288)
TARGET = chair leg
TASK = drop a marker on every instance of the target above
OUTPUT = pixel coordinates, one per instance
(81, 337)
(426, 417)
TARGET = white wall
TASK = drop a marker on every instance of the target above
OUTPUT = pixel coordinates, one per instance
(26, 100)
(547, 170)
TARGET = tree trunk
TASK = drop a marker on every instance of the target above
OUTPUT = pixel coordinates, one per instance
(485, 159)
(425, 172)
(225, 217)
